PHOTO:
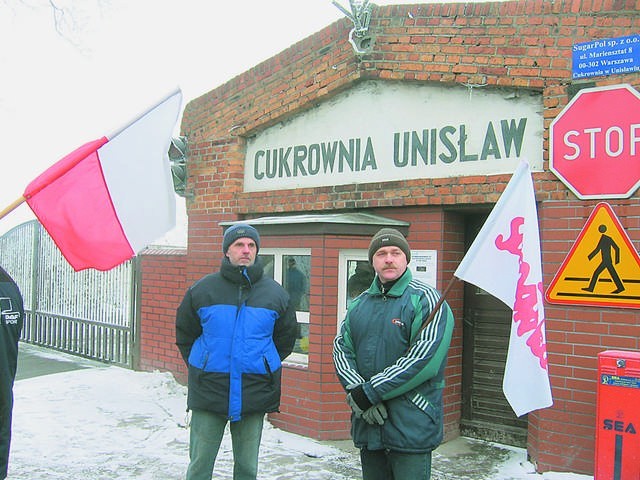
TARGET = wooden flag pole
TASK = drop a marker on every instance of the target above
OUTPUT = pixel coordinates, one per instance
(15, 204)
(438, 305)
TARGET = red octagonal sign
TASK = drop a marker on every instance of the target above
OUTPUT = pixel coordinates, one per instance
(595, 143)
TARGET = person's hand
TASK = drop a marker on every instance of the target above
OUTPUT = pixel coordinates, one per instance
(376, 415)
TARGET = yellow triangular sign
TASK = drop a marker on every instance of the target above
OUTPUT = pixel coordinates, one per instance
(603, 267)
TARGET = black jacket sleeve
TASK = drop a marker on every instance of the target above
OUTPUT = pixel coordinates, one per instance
(188, 327)
(285, 332)
(11, 321)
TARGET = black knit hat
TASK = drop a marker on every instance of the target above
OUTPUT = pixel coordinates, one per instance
(387, 237)
(239, 230)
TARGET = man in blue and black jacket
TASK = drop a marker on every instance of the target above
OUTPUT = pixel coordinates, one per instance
(392, 368)
(233, 329)
(11, 319)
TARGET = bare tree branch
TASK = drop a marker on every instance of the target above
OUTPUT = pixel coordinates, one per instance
(70, 18)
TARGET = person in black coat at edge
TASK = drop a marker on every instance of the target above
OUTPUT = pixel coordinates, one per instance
(11, 318)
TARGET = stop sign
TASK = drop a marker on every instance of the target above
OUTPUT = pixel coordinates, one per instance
(595, 143)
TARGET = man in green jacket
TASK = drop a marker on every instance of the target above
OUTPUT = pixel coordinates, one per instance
(391, 369)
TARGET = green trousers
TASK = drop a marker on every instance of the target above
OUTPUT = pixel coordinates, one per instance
(390, 465)
(207, 430)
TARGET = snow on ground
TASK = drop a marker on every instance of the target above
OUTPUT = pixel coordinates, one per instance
(113, 423)
(104, 422)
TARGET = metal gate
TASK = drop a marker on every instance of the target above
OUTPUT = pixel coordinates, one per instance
(88, 313)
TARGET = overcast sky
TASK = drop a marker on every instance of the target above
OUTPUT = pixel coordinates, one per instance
(112, 59)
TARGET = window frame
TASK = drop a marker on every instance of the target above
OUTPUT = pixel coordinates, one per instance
(297, 359)
(344, 256)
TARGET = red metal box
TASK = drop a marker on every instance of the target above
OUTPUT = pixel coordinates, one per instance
(617, 453)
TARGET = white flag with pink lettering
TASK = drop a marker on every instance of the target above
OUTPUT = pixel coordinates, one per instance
(504, 260)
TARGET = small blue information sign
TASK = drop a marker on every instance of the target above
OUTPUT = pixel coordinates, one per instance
(609, 56)
(620, 381)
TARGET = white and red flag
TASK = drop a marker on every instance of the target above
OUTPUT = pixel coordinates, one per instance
(504, 260)
(110, 198)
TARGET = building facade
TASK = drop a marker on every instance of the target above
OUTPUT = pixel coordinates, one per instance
(418, 126)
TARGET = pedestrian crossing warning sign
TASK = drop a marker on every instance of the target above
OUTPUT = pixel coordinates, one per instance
(602, 268)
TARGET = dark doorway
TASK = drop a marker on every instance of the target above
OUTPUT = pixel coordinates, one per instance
(486, 414)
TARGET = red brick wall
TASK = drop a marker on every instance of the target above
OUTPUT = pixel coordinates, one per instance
(162, 286)
(524, 44)
(564, 434)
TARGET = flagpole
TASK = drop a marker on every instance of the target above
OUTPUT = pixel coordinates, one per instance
(15, 204)
(438, 304)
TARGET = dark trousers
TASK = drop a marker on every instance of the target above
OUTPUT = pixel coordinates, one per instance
(390, 465)
(6, 407)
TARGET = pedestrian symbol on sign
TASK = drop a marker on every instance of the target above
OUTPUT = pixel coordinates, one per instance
(604, 247)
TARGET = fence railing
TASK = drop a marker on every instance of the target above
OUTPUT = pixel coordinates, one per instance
(88, 313)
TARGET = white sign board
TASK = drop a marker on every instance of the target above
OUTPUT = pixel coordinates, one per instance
(387, 131)
(424, 266)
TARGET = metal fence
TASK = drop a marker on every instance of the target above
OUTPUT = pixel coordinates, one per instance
(88, 313)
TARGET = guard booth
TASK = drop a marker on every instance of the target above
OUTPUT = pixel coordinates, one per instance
(618, 416)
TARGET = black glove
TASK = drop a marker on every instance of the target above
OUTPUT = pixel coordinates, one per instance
(356, 395)
(357, 411)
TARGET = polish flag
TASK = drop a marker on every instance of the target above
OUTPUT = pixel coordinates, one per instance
(110, 198)
(504, 260)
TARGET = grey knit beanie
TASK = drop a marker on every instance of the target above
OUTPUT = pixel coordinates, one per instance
(239, 230)
(389, 237)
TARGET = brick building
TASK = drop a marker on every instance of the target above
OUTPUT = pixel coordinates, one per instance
(418, 125)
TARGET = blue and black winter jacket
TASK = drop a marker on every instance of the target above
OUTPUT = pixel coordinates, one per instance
(233, 328)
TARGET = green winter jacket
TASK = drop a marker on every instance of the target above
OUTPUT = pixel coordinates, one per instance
(379, 347)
